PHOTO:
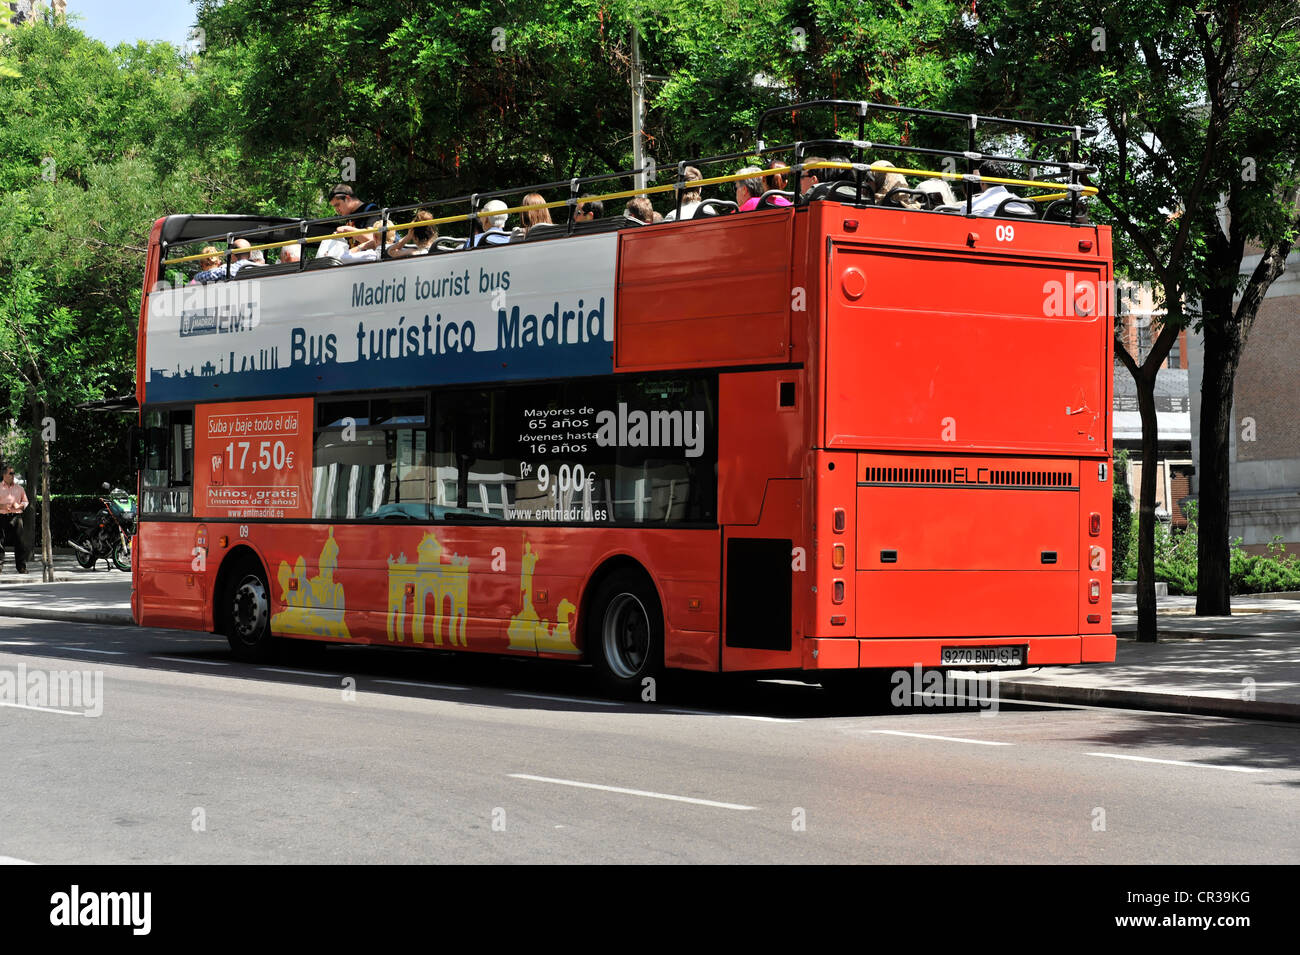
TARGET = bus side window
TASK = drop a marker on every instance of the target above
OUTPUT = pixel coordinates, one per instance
(167, 476)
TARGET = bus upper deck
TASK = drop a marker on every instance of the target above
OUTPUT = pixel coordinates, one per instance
(1055, 189)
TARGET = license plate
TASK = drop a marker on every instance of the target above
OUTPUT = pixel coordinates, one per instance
(983, 656)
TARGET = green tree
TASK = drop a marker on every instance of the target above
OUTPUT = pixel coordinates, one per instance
(419, 101)
(1201, 123)
(89, 157)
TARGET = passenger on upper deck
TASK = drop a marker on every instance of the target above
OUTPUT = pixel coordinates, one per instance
(531, 217)
(237, 261)
(811, 177)
(361, 215)
(774, 180)
(750, 189)
(991, 195)
(211, 259)
(588, 209)
(495, 233)
(945, 198)
(290, 253)
(418, 239)
(691, 198)
(639, 208)
(368, 247)
(886, 182)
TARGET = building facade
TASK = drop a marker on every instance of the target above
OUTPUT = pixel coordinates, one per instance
(1264, 442)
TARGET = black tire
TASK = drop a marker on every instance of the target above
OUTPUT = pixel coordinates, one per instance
(625, 635)
(85, 561)
(245, 608)
(122, 557)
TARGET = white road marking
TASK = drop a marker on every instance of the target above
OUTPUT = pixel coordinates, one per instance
(206, 663)
(115, 653)
(633, 792)
(1178, 762)
(730, 716)
(565, 699)
(10, 860)
(43, 709)
(429, 686)
(299, 672)
(946, 739)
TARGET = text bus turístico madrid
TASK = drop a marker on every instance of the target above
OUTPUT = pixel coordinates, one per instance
(854, 432)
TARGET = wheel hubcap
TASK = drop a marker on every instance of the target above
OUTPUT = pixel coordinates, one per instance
(626, 636)
(250, 610)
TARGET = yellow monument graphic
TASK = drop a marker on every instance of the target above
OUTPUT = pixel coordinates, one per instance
(527, 630)
(315, 606)
(442, 578)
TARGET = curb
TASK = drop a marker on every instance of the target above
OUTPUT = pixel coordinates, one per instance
(1149, 701)
(117, 618)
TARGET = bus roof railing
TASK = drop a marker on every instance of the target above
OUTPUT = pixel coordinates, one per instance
(286, 231)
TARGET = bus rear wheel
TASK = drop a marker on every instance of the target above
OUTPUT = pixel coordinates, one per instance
(625, 640)
(246, 610)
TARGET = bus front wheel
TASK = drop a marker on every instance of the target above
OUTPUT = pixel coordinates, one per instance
(246, 605)
(626, 637)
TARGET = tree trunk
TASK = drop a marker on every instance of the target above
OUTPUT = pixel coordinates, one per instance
(1146, 582)
(33, 478)
(47, 550)
(1213, 585)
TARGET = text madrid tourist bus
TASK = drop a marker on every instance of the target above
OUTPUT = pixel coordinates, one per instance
(835, 435)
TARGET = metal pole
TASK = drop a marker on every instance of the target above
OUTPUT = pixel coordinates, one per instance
(638, 109)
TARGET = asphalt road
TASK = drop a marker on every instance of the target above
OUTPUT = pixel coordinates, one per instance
(360, 755)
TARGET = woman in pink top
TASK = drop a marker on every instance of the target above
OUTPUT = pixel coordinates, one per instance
(750, 189)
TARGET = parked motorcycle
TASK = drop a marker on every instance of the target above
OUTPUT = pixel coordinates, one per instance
(106, 534)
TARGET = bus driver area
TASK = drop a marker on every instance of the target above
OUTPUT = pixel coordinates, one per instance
(767, 441)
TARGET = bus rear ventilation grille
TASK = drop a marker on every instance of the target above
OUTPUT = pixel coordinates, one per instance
(968, 476)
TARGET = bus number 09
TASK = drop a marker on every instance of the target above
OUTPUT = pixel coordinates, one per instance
(1005, 233)
(243, 530)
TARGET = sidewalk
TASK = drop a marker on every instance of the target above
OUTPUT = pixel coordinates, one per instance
(81, 596)
(1245, 666)
(66, 569)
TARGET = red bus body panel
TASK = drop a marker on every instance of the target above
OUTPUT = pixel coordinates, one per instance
(915, 406)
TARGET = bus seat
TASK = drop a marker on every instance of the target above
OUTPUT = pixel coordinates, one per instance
(767, 199)
(610, 224)
(259, 271)
(324, 263)
(841, 190)
(545, 230)
(1016, 208)
(715, 207)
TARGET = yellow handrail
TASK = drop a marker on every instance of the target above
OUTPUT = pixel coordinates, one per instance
(651, 190)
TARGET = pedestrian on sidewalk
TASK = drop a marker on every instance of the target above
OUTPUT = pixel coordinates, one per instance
(13, 502)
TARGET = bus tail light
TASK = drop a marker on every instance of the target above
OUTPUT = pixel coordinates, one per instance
(1094, 618)
(1096, 558)
(837, 593)
(1094, 591)
(837, 556)
(1094, 524)
(839, 520)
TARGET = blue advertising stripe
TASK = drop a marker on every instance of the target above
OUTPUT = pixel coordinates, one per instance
(572, 360)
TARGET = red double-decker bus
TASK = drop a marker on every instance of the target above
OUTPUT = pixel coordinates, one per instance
(860, 431)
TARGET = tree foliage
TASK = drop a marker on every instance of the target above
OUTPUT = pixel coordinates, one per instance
(1201, 130)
